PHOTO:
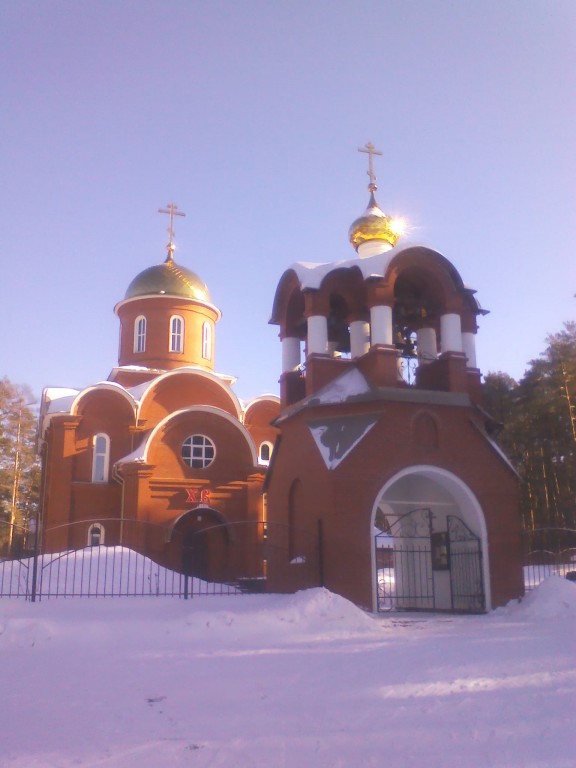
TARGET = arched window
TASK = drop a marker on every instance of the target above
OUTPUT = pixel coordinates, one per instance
(140, 334)
(95, 535)
(176, 334)
(100, 458)
(265, 453)
(207, 341)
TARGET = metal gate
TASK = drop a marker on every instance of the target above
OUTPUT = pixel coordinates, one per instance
(422, 569)
(406, 582)
(466, 577)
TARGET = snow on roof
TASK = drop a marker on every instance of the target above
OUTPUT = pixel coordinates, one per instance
(139, 390)
(59, 399)
(137, 454)
(311, 275)
(350, 383)
(134, 368)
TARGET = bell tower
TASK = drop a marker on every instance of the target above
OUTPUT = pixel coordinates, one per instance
(382, 432)
(399, 311)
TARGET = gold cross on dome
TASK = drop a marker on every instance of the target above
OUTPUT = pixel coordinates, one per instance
(171, 210)
(371, 150)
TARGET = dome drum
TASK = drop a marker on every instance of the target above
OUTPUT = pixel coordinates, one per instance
(167, 319)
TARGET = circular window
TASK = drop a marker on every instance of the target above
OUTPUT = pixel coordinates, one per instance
(198, 451)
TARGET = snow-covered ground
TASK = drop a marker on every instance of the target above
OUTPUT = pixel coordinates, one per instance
(287, 680)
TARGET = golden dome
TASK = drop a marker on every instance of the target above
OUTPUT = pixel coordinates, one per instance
(168, 279)
(373, 225)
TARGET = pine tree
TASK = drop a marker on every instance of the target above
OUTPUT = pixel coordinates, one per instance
(19, 468)
(539, 434)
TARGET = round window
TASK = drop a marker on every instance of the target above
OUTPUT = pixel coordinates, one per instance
(198, 451)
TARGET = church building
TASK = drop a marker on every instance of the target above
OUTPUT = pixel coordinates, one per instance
(163, 450)
(385, 465)
(375, 472)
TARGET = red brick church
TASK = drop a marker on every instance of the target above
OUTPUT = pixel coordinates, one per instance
(377, 457)
(163, 449)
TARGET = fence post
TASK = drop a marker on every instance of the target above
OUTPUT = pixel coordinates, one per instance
(35, 562)
(321, 552)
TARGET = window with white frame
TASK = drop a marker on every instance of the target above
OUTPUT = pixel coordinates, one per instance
(140, 334)
(100, 458)
(265, 453)
(207, 341)
(198, 451)
(176, 334)
(96, 535)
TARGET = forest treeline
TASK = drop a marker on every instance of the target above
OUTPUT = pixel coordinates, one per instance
(536, 429)
(533, 421)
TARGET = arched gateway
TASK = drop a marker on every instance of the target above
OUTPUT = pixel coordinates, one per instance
(430, 544)
(201, 540)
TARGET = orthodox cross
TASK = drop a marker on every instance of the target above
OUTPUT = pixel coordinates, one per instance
(171, 210)
(371, 150)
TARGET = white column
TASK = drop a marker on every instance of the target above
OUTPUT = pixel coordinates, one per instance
(426, 344)
(469, 346)
(317, 335)
(359, 338)
(290, 353)
(381, 324)
(451, 332)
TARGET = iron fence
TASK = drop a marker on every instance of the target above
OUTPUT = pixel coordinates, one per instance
(549, 552)
(223, 559)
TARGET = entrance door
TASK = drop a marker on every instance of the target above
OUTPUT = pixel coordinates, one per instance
(195, 554)
(200, 543)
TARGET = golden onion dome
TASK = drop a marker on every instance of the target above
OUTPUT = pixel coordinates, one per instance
(373, 225)
(168, 279)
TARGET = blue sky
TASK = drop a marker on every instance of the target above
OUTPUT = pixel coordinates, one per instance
(248, 116)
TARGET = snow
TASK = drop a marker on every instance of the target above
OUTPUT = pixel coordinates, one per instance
(310, 274)
(286, 680)
(348, 384)
(96, 571)
(59, 400)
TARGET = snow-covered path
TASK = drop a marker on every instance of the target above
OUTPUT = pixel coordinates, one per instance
(302, 680)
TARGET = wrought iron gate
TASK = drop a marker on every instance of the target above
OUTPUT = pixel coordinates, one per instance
(418, 568)
(407, 582)
(466, 577)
